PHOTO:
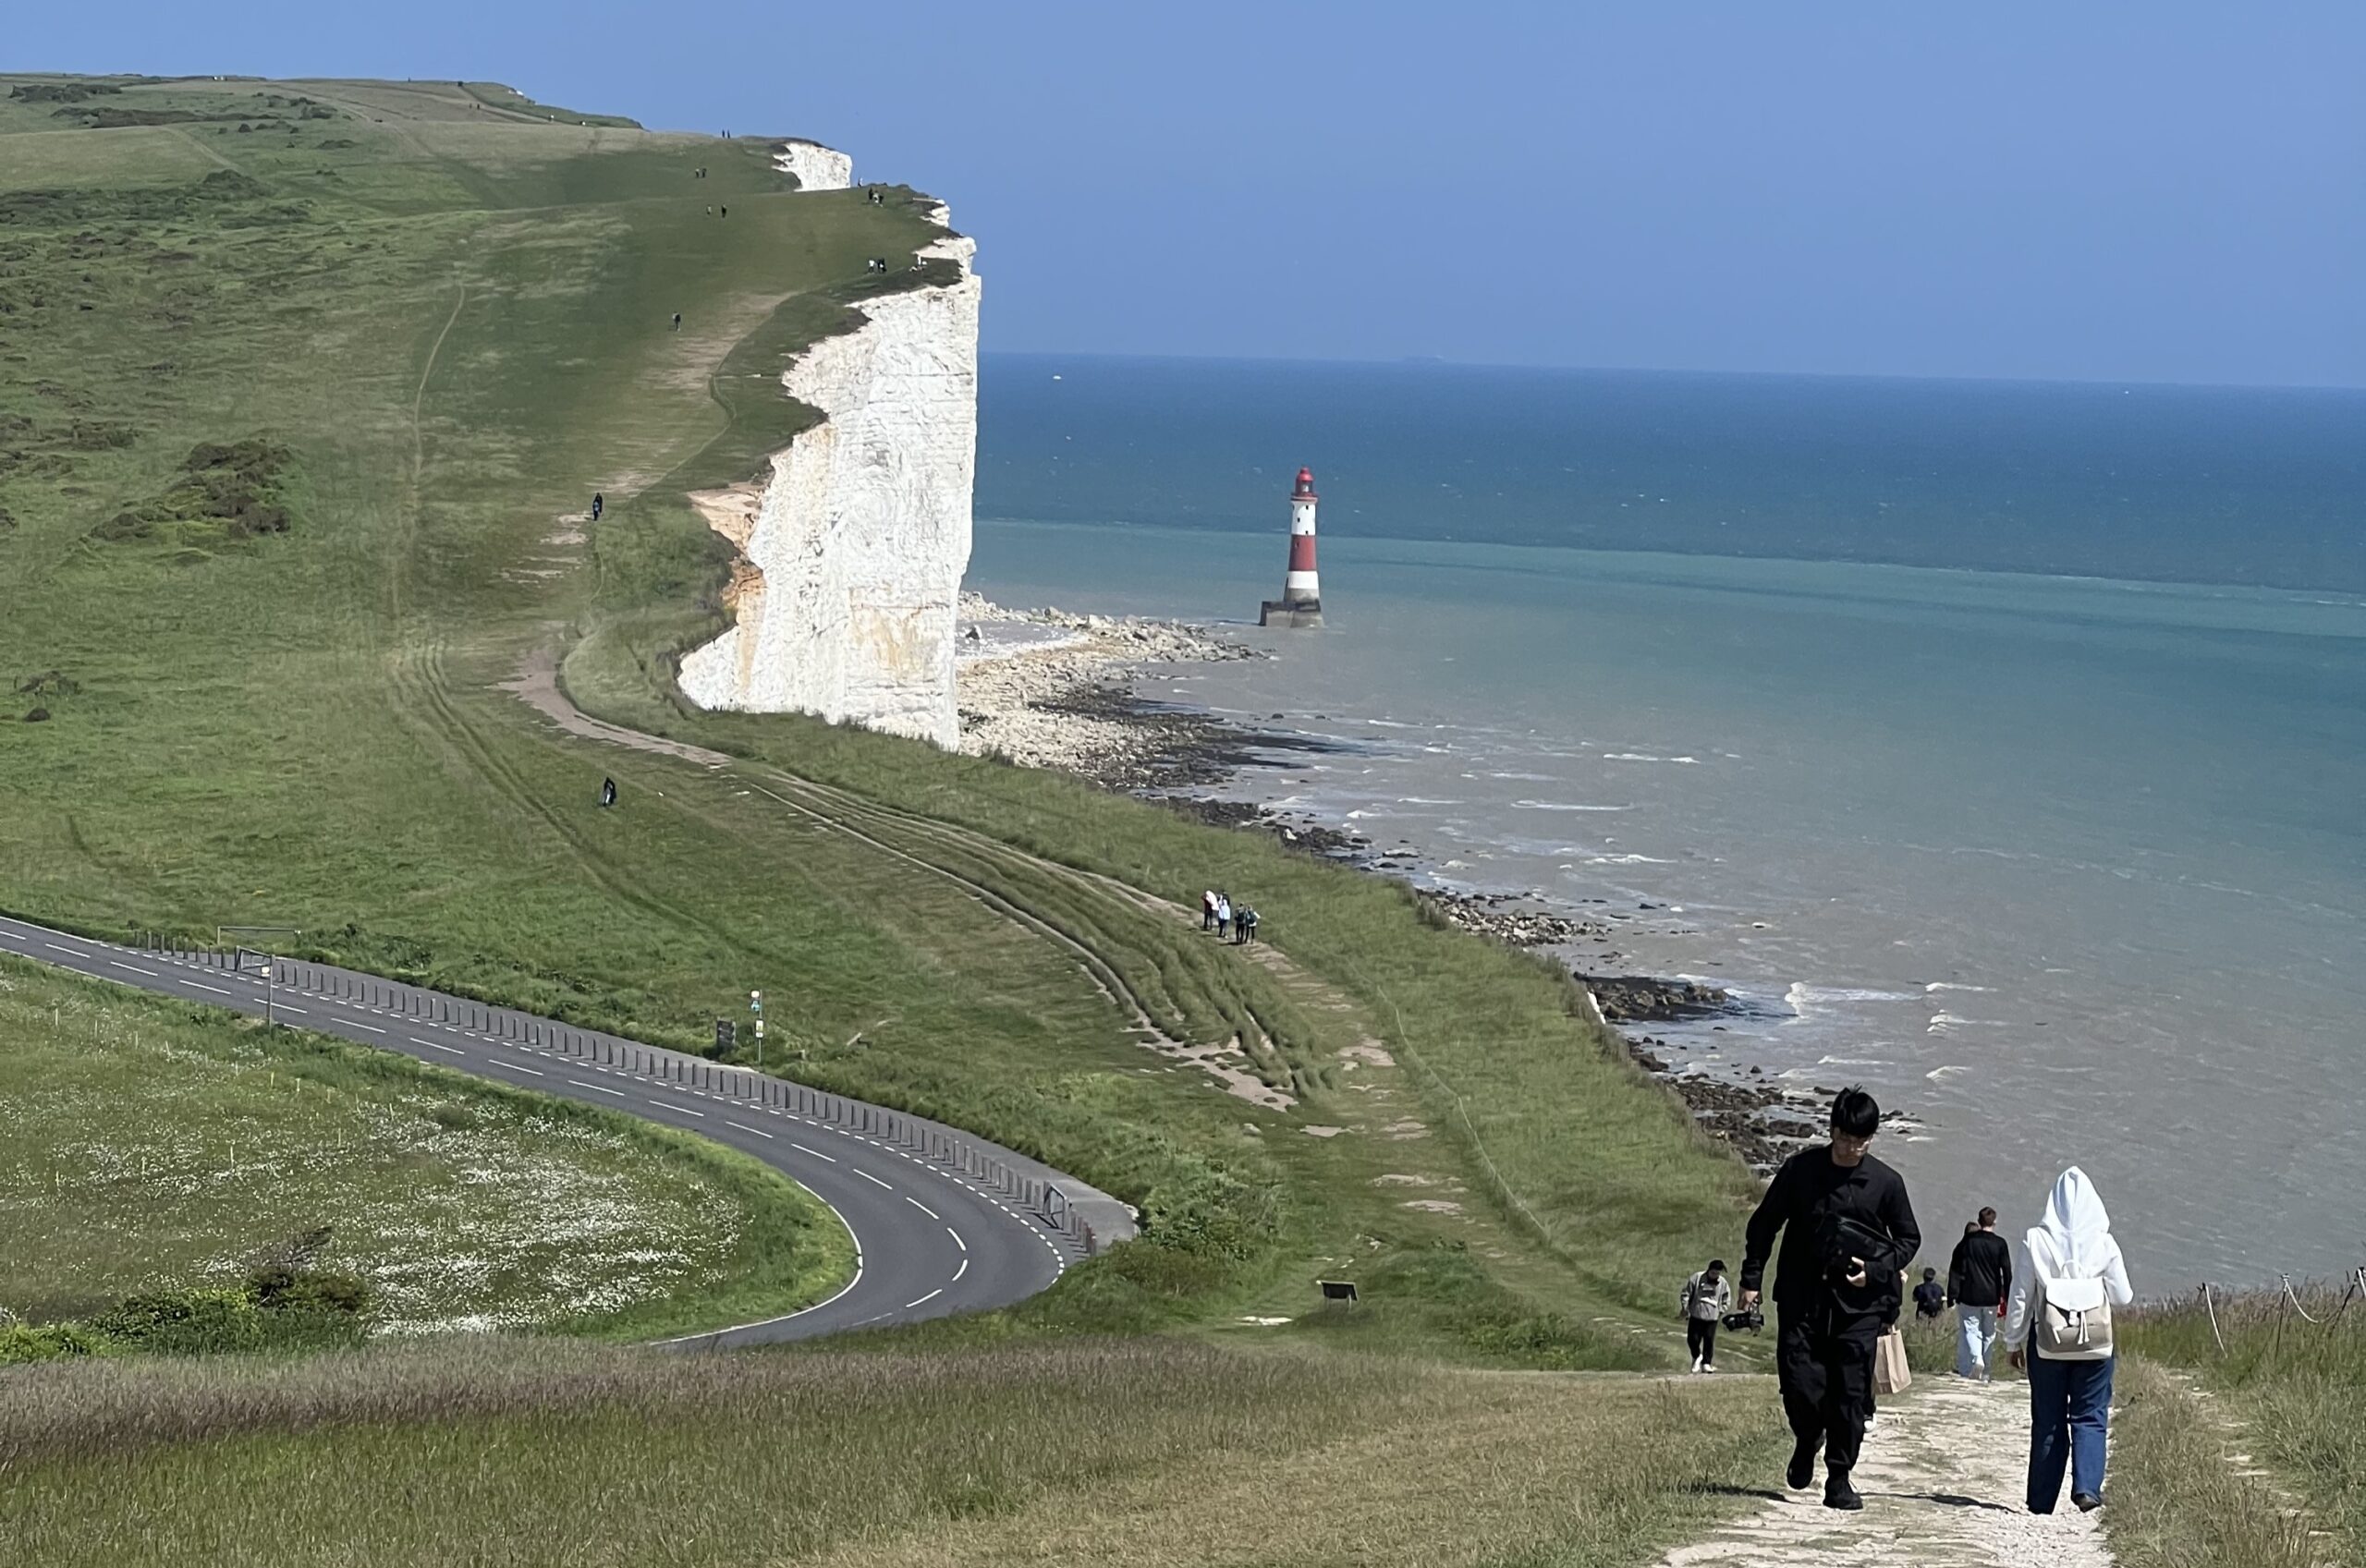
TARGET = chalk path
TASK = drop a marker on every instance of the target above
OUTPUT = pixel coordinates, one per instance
(1942, 1476)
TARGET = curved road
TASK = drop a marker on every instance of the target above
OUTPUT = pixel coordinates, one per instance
(941, 1222)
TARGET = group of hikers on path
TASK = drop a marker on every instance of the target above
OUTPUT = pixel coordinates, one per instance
(1849, 1234)
(1219, 913)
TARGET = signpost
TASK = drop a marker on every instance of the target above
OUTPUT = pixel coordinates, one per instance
(756, 1005)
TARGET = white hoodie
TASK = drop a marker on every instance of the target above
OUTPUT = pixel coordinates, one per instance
(2074, 1242)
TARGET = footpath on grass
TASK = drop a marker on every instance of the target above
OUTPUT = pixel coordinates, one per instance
(1942, 1475)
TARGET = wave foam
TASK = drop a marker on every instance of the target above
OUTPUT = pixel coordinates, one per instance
(1645, 757)
(1565, 805)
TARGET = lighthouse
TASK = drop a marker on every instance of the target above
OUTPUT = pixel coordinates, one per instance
(1300, 604)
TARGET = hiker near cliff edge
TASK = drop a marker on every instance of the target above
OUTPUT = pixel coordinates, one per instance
(1703, 1301)
(1980, 1281)
(2058, 1326)
(1848, 1230)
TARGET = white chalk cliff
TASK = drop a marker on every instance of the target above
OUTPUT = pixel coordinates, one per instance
(816, 167)
(852, 545)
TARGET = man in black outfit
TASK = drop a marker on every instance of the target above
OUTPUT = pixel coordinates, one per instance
(1848, 1230)
(1980, 1281)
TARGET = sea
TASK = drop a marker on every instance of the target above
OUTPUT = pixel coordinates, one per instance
(2000, 747)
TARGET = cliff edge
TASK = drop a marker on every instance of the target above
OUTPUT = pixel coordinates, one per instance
(853, 544)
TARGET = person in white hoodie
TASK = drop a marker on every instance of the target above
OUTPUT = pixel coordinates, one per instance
(2059, 1327)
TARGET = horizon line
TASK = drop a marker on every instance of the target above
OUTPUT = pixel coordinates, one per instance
(1441, 362)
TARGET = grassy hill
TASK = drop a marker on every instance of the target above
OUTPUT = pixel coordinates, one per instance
(305, 386)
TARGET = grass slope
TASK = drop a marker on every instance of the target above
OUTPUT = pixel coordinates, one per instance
(1146, 1452)
(146, 1145)
(456, 320)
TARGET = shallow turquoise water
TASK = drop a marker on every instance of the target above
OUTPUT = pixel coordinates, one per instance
(2069, 867)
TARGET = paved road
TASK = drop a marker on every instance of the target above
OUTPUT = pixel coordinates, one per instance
(942, 1222)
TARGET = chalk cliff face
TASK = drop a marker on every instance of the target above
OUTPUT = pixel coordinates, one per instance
(816, 167)
(853, 545)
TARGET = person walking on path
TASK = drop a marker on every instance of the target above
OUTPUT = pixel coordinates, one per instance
(1223, 913)
(608, 792)
(1208, 910)
(2058, 1326)
(1705, 1298)
(1980, 1281)
(1929, 1296)
(677, 321)
(598, 502)
(1848, 1228)
(1248, 927)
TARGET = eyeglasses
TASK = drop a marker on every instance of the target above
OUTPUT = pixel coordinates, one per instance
(1853, 1140)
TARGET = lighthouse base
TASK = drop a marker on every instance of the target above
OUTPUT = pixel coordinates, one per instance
(1299, 614)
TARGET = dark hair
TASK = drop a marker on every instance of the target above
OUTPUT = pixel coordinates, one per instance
(1716, 1266)
(1930, 1273)
(1971, 1227)
(1856, 1112)
(1987, 1218)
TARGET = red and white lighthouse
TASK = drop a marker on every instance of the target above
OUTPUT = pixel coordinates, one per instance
(1302, 600)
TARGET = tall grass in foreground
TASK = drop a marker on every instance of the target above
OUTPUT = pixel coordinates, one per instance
(2263, 1389)
(1137, 1453)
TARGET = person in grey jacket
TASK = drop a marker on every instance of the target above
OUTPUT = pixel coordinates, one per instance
(1707, 1296)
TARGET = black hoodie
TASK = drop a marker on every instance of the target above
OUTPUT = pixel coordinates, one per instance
(1807, 1195)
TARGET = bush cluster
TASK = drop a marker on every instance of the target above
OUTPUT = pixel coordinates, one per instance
(282, 1305)
(229, 490)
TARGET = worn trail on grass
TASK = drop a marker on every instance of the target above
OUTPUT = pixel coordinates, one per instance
(1942, 1476)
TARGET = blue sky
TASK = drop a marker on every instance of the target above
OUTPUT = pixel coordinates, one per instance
(2166, 192)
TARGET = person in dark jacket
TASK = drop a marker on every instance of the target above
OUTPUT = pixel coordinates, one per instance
(1929, 1296)
(1847, 1232)
(1980, 1281)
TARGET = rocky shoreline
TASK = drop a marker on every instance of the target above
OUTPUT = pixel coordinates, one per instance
(1050, 688)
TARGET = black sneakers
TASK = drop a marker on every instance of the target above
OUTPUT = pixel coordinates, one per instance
(1838, 1493)
(1801, 1475)
(2087, 1501)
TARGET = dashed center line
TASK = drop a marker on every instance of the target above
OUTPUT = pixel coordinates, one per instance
(957, 1238)
(602, 1088)
(200, 985)
(873, 1180)
(358, 1024)
(929, 1297)
(437, 1045)
(135, 969)
(830, 1159)
(746, 1128)
(922, 1206)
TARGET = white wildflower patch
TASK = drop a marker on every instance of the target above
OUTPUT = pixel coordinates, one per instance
(133, 1158)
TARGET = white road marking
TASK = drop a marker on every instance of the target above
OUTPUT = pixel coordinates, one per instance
(75, 950)
(922, 1206)
(282, 1007)
(521, 1067)
(135, 969)
(816, 1153)
(957, 1238)
(746, 1128)
(601, 1088)
(875, 1181)
(200, 985)
(437, 1045)
(358, 1024)
(961, 1270)
(685, 1110)
(924, 1300)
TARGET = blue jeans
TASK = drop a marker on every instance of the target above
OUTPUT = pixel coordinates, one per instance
(2069, 1412)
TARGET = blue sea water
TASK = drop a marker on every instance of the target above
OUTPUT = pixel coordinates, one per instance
(2005, 744)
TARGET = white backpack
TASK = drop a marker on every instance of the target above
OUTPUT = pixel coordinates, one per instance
(2072, 1320)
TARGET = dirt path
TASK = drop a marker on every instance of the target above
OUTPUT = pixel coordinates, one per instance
(1943, 1477)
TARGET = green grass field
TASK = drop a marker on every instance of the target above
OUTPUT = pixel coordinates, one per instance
(147, 1145)
(2240, 1438)
(1141, 1452)
(455, 322)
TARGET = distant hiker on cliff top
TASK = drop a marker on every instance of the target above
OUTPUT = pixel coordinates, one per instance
(1703, 1301)
(1980, 1281)
(598, 502)
(1847, 1228)
(1224, 911)
(1208, 910)
(608, 792)
(1249, 926)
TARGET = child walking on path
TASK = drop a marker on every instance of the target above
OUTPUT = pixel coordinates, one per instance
(2059, 1326)
(1706, 1299)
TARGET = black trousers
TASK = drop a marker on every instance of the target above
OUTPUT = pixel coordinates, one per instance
(1824, 1365)
(1700, 1338)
